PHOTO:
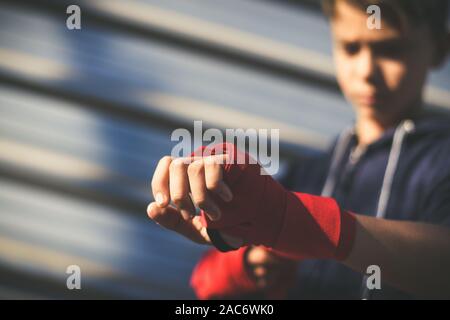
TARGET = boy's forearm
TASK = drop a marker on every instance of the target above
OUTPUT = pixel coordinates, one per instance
(413, 257)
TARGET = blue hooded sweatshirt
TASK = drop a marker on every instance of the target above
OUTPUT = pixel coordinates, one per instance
(404, 175)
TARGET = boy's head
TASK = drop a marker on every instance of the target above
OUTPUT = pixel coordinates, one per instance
(382, 71)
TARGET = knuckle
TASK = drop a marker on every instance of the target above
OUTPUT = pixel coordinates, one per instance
(257, 256)
(195, 168)
(177, 164)
(165, 160)
(211, 161)
(177, 199)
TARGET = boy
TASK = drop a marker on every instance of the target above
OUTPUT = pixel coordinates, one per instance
(385, 186)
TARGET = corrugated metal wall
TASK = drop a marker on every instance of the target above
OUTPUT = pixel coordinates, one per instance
(86, 114)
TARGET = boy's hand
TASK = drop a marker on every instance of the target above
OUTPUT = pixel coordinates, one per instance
(205, 180)
(268, 269)
(189, 182)
(245, 207)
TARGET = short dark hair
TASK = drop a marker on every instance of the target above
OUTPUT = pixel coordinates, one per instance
(404, 13)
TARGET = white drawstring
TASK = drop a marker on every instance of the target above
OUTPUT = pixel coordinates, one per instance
(337, 157)
(405, 127)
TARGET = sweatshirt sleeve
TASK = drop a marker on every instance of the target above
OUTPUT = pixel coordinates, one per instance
(221, 275)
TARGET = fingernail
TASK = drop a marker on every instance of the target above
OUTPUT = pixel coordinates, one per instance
(159, 198)
(149, 211)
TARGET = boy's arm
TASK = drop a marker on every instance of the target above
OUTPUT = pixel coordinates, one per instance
(412, 256)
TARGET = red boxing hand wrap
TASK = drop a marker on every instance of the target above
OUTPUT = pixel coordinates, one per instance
(248, 216)
(315, 227)
(224, 275)
(262, 212)
(219, 275)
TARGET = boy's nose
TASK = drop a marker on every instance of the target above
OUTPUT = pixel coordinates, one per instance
(366, 66)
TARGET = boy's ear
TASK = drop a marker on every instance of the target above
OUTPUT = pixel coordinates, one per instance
(442, 51)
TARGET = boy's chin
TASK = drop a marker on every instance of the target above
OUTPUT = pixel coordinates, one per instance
(373, 110)
(382, 113)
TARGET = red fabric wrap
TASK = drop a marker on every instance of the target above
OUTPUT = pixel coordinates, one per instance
(223, 275)
(219, 275)
(262, 212)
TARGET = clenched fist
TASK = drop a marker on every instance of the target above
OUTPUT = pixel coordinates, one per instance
(180, 184)
(241, 206)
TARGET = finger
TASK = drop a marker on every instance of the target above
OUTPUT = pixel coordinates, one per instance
(170, 218)
(265, 277)
(197, 223)
(179, 187)
(260, 281)
(260, 271)
(196, 175)
(213, 178)
(160, 182)
(260, 256)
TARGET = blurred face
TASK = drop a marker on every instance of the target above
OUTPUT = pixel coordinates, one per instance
(381, 72)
